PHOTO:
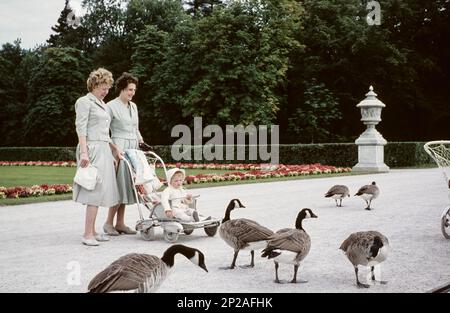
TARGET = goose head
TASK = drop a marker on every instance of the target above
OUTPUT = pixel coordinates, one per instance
(304, 213)
(199, 259)
(376, 246)
(192, 254)
(234, 203)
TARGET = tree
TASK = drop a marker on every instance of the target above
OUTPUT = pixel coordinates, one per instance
(315, 114)
(55, 85)
(230, 66)
(201, 7)
(347, 55)
(13, 92)
(104, 19)
(73, 34)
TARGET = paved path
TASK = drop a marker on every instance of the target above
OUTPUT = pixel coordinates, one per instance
(40, 243)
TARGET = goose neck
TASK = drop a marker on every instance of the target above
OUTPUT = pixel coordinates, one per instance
(227, 212)
(169, 255)
(298, 223)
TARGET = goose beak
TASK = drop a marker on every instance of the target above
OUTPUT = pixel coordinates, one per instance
(313, 215)
(203, 266)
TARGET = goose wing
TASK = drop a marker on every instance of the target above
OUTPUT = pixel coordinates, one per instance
(358, 245)
(369, 189)
(363, 189)
(294, 240)
(126, 273)
(245, 230)
(337, 189)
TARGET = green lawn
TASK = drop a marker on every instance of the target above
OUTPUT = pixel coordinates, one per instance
(11, 176)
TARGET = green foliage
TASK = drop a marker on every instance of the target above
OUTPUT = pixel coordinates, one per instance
(201, 7)
(67, 35)
(37, 154)
(55, 85)
(316, 113)
(13, 92)
(230, 65)
(303, 65)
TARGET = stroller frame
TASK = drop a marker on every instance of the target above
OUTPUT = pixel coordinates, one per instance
(172, 227)
(439, 151)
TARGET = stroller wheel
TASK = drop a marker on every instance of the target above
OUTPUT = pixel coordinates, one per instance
(211, 231)
(445, 224)
(188, 231)
(170, 237)
(148, 234)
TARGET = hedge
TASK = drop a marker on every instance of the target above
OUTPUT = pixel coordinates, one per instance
(397, 154)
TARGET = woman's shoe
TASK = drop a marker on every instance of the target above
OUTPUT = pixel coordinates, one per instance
(110, 230)
(127, 231)
(102, 237)
(90, 242)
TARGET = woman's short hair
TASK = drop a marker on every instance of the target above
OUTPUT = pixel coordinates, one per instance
(99, 77)
(124, 80)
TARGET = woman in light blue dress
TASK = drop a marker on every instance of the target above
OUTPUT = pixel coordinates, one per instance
(95, 147)
(125, 135)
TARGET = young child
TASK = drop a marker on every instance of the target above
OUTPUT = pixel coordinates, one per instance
(180, 198)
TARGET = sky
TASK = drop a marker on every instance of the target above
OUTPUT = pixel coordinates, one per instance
(30, 20)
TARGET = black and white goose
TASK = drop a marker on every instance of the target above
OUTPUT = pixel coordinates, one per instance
(368, 193)
(290, 246)
(338, 192)
(242, 234)
(367, 248)
(142, 273)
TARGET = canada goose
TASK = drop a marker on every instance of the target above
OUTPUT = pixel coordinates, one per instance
(367, 248)
(368, 193)
(338, 192)
(143, 273)
(242, 234)
(290, 246)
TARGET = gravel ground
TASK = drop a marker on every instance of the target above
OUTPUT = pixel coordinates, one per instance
(41, 249)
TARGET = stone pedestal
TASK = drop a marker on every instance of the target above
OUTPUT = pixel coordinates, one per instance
(371, 152)
(371, 143)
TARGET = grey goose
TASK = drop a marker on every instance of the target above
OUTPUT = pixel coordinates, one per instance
(338, 192)
(366, 248)
(368, 193)
(143, 273)
(290, 246)
(242, 234)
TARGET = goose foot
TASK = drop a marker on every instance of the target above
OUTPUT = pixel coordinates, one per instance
(300, 281)
(247, 266)
(368, 209)
(227, 268)
(382, 282)
(281, 281)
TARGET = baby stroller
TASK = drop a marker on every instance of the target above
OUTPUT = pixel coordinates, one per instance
(440, 153)
(148, 196)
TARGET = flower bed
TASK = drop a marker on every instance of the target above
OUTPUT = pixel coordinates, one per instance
(34, 191)
(255, 171)
(40, 163)
(237, 172)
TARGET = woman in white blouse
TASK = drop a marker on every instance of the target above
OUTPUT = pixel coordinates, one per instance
(125, 135)
(96, 148)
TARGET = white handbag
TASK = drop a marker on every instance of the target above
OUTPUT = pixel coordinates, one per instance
(87, 177)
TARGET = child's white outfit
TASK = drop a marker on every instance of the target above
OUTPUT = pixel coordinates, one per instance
(179, 203)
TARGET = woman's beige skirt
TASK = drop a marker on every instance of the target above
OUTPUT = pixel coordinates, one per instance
(124, 179)
(106, 192)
